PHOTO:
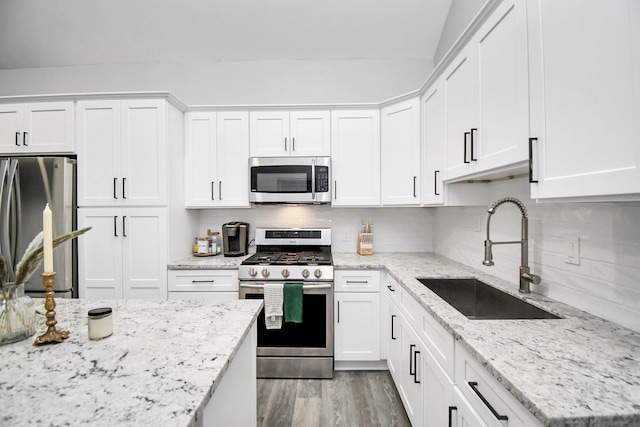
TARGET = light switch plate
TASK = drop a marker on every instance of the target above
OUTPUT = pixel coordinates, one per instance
(572, 251)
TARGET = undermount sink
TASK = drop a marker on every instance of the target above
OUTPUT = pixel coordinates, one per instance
(477, 300)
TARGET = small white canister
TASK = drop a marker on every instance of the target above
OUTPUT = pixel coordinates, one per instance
(100, 321)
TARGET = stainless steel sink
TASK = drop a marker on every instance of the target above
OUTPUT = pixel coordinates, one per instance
(477, 300)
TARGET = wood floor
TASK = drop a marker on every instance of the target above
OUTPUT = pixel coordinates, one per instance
(350, 399)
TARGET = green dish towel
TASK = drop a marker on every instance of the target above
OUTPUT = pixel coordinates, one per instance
(293, 302)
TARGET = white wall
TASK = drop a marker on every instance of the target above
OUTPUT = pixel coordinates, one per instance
(395, 229)
(232, 82)
(607, 281)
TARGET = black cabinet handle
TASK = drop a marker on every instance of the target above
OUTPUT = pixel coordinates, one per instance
(415, 367)
(338, 311)
(203, 281)
(212, 187)
(466, 134)
(115, 226)
(474, 387)
(531, 180)
(473, 150)
(393, 316)
(219, 190)
(414, 186)
(285, 144)
(390, 288)
(451, 409)
(123, 193)
(293, 144)
(335, 190)
(24, 138)
(115, 183)
(18, 139)
(436, 174)
(124, 229)
(411, 359)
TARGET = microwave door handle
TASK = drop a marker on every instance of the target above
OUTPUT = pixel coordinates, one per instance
(313, 179)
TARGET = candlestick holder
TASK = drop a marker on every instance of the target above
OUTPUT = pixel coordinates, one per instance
(52, 335)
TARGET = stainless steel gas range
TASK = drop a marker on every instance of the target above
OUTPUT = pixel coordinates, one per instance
(293, 255)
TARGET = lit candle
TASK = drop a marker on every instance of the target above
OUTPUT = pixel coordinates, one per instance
(47, 231)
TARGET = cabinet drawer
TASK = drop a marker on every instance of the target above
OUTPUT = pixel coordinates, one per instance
(203, 296)
(357, 281)
(474, 381)
(203, 280)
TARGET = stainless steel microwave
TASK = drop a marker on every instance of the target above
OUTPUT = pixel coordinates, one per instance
(290, 179)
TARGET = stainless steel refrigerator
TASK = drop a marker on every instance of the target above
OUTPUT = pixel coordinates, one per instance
(27, 184)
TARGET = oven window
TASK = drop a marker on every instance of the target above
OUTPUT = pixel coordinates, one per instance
(281, 179)
(310, 333)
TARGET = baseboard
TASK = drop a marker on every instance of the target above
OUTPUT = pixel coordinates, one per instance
(349, 365)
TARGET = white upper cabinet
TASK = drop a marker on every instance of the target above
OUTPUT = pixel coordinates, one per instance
(37, 128)
(217, 153)
(355, 148)
(585, 97)
(433, 144)
(400, 145)
(486, 97)
(296, 133)
(122, 153)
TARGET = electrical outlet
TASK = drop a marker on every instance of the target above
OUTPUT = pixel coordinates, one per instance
(572, 251)
(346, 236)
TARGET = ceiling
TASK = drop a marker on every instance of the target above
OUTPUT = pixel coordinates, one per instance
(37, 33)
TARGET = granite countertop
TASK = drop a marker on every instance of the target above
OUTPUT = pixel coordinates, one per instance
(216, 262)
(161, 366)
(580, 370)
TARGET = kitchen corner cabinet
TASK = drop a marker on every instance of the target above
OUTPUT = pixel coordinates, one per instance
(217, 153)
(122, 152)
(357, 315)
(125, 259)
(37, 128)
(584, 108)
(355, 157)
(296, 133)
(203, 284)
(486, 97)
(400, 147)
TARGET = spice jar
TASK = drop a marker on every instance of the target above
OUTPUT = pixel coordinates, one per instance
(100, 321)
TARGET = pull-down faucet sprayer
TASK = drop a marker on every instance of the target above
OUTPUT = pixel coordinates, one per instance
(525, 276)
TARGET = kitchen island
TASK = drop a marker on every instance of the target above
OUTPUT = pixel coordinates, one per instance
(169, 363)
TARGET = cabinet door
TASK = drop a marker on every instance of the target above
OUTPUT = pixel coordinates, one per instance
(584, 107)
(100, 253)
(355, 157)
(433, 144)
(144, 152)
(400, 145)
(437, 392)
(501, 49)
(200, 153)
(460, 91)
(310, 133)
(144, 253)
(393, 339)
(99, 153)
(357, 326)
(233, 159)
(411, 375)
(49, 127)
(463, 413)
(269, 134)
(11, 128)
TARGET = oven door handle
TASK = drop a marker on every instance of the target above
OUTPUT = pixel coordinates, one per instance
(242, 285)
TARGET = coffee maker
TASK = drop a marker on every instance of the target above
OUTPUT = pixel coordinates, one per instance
(235, 238)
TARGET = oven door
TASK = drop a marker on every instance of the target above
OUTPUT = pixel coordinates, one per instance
(312, 337)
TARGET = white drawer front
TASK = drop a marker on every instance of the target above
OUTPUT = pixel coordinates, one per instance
(203, 281)
(357, 281)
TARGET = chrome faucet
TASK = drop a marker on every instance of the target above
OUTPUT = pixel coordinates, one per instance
(525, 276)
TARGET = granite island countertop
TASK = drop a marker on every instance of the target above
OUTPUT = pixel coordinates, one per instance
(161, 366)
(580, 371)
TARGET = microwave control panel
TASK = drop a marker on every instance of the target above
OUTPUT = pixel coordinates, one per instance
(322, 179)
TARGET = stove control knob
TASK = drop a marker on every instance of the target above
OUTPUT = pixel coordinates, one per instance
(265, 272)
(253, 272)
(305, 273)
(317, 273)
(285, 273)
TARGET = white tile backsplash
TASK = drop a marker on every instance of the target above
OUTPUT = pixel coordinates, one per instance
(605, 283)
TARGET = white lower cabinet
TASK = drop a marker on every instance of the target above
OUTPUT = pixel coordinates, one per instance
(124, 255)
(461, 413)
(437, 392)
(410, 372)
(357, 316)
(203, 284)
